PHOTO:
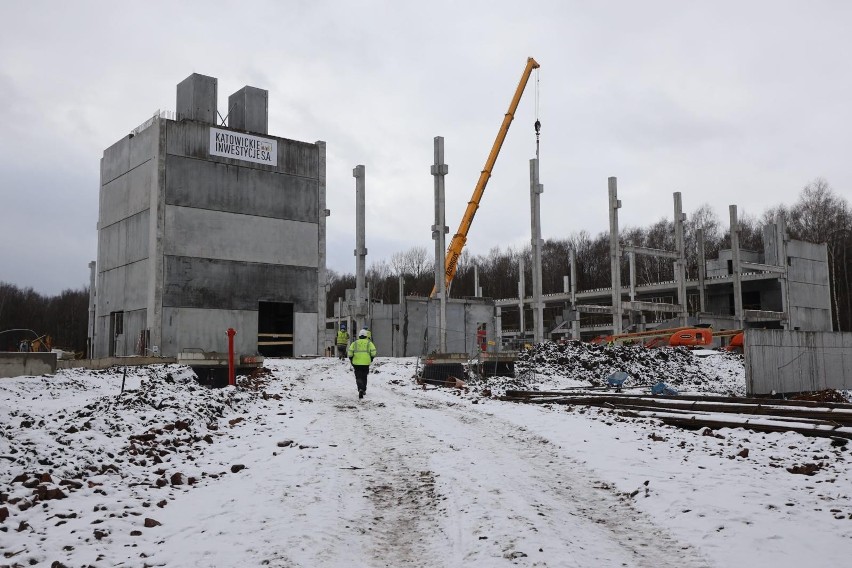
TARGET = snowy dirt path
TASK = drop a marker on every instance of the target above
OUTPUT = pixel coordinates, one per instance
(399, 479)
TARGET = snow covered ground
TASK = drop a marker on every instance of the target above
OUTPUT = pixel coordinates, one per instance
(291, 469)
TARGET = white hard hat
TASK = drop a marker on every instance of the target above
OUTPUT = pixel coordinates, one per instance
(362, 333)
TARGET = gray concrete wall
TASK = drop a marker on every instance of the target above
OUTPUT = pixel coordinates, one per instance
(107, 362)
(219, 284)
(797, 361)
(192, 140)
(462, 319)
(383, 325)
(201, 233)
(129, 175)
(123, 242)
(719, 266)
(128, 342)
(186, 329)
(305, 334)
(810, 297)
(27, 364)
(240, 189)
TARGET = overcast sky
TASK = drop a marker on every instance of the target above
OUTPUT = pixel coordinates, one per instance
(728, 102)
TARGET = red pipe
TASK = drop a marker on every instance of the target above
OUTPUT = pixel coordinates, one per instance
(231, 377)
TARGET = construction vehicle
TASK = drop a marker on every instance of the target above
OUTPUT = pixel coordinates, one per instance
(672, 337)
(454, 251)
(737, 342)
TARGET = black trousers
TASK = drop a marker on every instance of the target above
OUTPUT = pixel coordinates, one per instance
(361, 376)
(341, 351)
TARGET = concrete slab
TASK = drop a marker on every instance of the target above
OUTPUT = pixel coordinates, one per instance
(27, 364)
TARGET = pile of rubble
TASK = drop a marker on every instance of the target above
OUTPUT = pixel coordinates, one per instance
(145, 437)
(551, 365)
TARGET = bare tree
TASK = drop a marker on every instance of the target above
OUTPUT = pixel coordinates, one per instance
(413, 262)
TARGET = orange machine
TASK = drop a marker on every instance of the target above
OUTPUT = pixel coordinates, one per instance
(679, 336)
(736, 343)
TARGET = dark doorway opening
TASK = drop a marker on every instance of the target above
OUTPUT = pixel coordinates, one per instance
(116, 331)
(275, 329)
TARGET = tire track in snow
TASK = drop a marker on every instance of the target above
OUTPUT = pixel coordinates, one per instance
(436, 483)
(515, 489)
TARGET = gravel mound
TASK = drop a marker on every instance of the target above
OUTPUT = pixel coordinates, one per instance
(553, 366)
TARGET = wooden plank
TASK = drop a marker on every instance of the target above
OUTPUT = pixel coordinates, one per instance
(693, 423)
(711, 398)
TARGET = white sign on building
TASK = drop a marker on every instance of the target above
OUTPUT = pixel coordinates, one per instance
(243, 147)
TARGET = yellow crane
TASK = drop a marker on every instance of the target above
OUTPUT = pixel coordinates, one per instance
(460, 238)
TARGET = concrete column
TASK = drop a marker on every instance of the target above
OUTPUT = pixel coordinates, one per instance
(322, 284)
(368, 312)
(498, 328)
(575, 325)
(401, 318)
(521, 295)
(91, 339)
(439, 231)
(156, 248)
(735, 262)
(536, 190)
(360, 246)
(702, 272)
(476, 291)
(615, 255)
(632, 258)
(680, 264)
(781, 243)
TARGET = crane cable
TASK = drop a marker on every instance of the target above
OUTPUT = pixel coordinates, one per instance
(537, 121)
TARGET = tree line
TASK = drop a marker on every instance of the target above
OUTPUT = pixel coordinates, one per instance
(63, 317)
(819, 215)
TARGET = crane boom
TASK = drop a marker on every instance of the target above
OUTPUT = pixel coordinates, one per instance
(460, 238)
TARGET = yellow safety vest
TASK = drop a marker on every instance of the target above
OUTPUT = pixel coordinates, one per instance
(362, 352)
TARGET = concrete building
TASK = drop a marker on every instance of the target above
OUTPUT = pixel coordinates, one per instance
(784, 286)
(204, 227)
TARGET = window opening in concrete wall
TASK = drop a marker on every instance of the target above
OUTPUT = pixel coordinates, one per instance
(751, 300)
(275, 329)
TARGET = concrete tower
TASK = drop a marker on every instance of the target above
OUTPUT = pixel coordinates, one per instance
(203, 227)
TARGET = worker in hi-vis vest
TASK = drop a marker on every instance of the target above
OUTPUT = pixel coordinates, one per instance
(362, 351)
(342, 341)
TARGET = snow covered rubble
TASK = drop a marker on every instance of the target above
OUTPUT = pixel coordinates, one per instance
(79, 433)
(551, 366)
(172, 474)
